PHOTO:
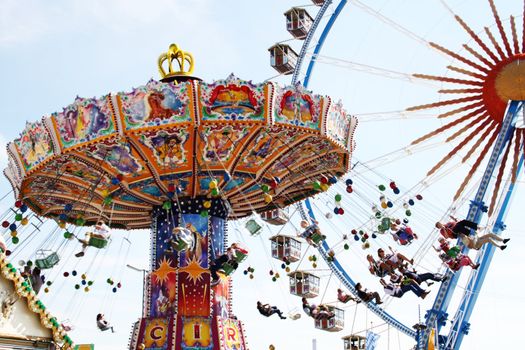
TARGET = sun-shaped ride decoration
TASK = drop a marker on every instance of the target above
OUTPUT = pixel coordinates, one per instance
(194, 270)
(495, 76)
(162, 273)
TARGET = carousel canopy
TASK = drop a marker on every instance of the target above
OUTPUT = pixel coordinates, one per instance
(118, 156)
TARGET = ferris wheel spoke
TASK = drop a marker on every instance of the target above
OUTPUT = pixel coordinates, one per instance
(365, 68)
(391, 23)
(392, 115)
(395, 155)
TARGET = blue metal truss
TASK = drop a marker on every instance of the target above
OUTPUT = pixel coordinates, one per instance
(437, 316)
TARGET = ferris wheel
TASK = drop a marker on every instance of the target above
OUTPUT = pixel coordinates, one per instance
(481, 127)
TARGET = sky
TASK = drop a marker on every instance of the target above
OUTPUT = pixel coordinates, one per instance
(51, 52)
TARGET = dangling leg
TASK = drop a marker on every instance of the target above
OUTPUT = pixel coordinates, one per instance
(375, 295)
(468, 241)
(83, 252)
(492, 239)
(436, 277)
(404, 258)
(278, 312)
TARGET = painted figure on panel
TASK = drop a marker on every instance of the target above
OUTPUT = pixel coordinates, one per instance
(297, 106)
(220, 144)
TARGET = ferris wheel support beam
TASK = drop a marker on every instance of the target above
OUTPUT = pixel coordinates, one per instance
(308, 40)
(460, 323)
(437, 316)
(320, 43)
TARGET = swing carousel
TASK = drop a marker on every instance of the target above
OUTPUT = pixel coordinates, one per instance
(181, 157)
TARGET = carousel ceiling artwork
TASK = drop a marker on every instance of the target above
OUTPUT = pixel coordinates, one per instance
(122, 154)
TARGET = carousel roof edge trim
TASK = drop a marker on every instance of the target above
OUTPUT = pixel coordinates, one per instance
(57, 145)
(34, 304)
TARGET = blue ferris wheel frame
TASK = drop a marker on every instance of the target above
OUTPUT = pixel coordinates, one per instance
(437, 316)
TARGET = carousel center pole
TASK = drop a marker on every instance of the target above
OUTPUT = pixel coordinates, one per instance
(183, 307)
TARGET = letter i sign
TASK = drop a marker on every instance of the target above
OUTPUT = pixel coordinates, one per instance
(196, 331)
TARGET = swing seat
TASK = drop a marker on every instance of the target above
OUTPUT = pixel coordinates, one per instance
(227, 268)
(313, 233)
(316, 237)
(253, 227)
(240, 256)
(97, 242)
(48, 261)
(384, 225)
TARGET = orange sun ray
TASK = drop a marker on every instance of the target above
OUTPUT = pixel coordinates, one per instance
(466, 72)
(477, 55)
(514, 35)
(459, 57)
(480, 104)
(484, 117)
(482, 96)
(477, 163)
(441, 129)
(447, 80)
(445, 103)
(495, 43)
(500, 28)
(460, 91)
(475, 146)
(477, 39)
(497, 185)
(452, 153)
(523, 30)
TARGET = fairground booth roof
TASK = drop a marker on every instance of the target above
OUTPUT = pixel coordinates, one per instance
(258, 146)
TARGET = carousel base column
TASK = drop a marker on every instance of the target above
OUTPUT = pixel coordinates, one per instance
(182, 310)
